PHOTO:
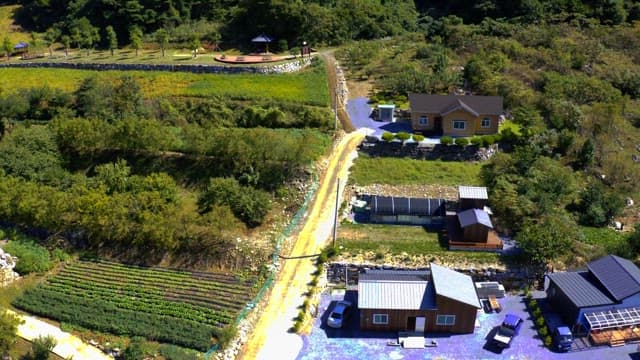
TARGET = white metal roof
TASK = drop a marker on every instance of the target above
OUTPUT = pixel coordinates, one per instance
(600, 320)
(454, 285)
(472, 192)
(410, 291)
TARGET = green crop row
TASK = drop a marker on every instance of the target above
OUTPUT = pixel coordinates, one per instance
(105, 316)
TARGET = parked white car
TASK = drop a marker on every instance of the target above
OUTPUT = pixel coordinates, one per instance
(339, 315)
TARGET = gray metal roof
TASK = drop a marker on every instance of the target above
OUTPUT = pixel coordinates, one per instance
(619, 276)
(454, 285)
(578, 289)
(472, 192)
(411, 291)
(474, 216)
(458, 105)
(437, 104)
(394, 275)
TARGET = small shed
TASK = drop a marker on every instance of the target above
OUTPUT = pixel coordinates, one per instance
(385, 112)
(475, 224)
(472, 197)
(410, 211)
(21, 47)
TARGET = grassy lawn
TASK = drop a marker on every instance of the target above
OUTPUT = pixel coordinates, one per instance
(405, 171)
(610, 240)
(308, 86)
(397, 239)
(6, 25)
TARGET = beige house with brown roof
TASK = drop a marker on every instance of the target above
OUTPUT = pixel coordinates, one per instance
(453, 115)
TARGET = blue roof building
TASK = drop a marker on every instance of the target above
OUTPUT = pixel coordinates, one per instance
(606, 296)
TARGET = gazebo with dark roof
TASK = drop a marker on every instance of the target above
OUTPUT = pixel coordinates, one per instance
(263, 39)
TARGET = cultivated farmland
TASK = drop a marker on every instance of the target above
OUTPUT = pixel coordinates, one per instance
(189, 309)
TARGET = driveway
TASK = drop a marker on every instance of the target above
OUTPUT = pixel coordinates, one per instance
(349, 343)
(359, 112)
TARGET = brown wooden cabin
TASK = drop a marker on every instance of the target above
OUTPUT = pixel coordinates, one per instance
(440, 300)
(472, 197)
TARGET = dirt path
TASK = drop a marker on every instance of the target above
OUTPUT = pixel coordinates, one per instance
(271, 338)
(68, 346)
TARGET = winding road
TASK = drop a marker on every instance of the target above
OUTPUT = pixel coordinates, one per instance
(271, 338)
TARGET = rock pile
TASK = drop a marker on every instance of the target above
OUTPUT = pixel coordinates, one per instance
(7, 264)
(428, 151)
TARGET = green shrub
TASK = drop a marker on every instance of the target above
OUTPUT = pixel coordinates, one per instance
(462, 141)
(403, 136)
(31, 257)
(417, 137)
(488, 140)
(543, 331)
(173, 352)
(446, 140)
(476, 141)
(540, 321)
(533, 305)
(387, 136)
(60, 255)
(537, 313)
(548, 341)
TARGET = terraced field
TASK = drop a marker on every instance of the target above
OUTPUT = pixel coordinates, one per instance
(190, 309)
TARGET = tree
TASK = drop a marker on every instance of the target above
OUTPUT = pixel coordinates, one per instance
(42, 346)
(7, 47)
(66, 42)
(194, 44)
(8, 329)
(135, 36)
(112, 39)
(598, 205)
(162, 38)
(84, 34)
(548, 238)
(50, 36)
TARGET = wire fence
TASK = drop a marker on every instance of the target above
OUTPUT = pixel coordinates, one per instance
(288, 230)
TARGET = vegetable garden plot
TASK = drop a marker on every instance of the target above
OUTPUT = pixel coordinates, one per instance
(179, 307)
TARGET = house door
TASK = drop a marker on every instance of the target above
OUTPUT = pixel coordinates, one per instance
(437, 125)
(420, 321)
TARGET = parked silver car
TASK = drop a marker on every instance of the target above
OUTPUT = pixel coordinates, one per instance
(339, 315)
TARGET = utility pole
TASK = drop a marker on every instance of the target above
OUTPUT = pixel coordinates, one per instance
(335, 217)
(335, 110)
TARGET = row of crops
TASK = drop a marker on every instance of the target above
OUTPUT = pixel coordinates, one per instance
(178, 307)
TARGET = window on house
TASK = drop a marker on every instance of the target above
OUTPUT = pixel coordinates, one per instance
(380, 319)
(486, 122)
(446, 320)
(459, 124)
(424, 120)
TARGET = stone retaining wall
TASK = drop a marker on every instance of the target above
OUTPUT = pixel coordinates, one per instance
(428, 151)
(199, 68)
(510, 278)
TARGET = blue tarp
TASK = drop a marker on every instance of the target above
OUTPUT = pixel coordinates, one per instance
(21, 45)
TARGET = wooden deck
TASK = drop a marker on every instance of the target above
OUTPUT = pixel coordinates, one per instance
(615, 337)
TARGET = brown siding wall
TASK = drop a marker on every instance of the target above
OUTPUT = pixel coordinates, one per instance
(492, 129)
(415, 121)
(465, 318)
(475, 233)
(447, 123)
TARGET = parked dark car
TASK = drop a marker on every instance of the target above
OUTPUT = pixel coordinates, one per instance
(339, 315)
(563, 338)
(509, 328)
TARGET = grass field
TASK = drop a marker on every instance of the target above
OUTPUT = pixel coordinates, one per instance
(610, 240)
(397, 239)
(404, 171)
(308, 86)
(7, 27)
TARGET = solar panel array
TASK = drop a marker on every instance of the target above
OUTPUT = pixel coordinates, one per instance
(600, 320)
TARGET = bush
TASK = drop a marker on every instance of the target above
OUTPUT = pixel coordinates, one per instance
(172, 352)
(387, 136)
(540, 321)
(462, 141)
(533, 304)
(403, 136)
(537, 313)
(31, 257)
(548, 341)
(417, 137)
(476, 141)
(446, 140)
(488, 140)
(543, 331)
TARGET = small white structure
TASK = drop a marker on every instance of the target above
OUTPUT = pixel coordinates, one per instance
(7, 264)
(385, 112)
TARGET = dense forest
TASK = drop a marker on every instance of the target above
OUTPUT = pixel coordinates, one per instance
(319, 22)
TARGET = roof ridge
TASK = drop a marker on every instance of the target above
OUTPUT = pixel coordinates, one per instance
(617, 260)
